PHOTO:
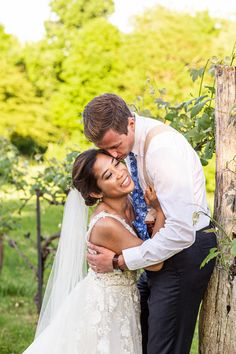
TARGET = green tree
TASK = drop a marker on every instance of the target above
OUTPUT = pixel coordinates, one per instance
(90, 69)
(69, 56)
(162, 48)
(75, 14)
(23, 116)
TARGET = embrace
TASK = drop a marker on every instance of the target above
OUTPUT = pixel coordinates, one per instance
(142, 291)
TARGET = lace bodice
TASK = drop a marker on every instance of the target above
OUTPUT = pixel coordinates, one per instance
(125, 278)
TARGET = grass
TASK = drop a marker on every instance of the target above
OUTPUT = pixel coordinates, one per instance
(18, 316)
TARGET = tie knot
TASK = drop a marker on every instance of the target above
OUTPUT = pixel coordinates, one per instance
(132, 158)
(133, 164)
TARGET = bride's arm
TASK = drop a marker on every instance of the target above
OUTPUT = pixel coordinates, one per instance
(111, 234)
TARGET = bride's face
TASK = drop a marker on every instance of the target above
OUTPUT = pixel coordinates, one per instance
(112, 176)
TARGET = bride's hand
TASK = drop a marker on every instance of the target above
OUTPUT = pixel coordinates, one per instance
(100, 258)
(151, 198)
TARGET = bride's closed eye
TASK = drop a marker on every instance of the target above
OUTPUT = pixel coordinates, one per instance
(110, 174)
(117, 163)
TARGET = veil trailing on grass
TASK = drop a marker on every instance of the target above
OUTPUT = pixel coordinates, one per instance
(69, 266)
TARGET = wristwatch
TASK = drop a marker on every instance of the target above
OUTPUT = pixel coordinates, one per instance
(115, 264)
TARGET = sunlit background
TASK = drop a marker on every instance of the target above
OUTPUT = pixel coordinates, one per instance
(54, 58)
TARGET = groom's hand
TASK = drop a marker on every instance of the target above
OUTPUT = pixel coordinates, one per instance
(100, 258)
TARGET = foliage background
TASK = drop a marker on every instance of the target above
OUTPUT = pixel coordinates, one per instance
(43, 89)
(45, 85)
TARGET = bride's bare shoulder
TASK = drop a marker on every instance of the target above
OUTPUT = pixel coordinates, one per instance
(103, 227)
(99, 208)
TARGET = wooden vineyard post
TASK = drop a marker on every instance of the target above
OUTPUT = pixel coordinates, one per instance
(218, 312)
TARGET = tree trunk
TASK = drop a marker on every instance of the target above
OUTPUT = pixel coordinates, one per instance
(218, 312)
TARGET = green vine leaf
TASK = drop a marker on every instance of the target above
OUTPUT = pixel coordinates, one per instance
(196, 73)
(211, 255)
(210, 230)
(196, 109)
(211, 89)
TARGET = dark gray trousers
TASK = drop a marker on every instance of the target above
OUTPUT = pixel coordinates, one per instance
(170, 298)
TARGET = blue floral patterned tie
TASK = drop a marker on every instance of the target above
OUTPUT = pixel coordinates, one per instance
(139, 204)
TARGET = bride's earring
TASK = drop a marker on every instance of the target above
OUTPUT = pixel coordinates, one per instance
(97, 196)
(100, 200)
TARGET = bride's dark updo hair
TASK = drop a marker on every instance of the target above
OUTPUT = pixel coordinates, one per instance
(83, 177)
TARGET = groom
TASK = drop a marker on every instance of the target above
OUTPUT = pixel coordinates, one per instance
(170, 298)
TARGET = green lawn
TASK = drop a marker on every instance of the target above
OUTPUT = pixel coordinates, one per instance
(18, 284)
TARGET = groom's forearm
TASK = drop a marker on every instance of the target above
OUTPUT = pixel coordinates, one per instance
(122, 265)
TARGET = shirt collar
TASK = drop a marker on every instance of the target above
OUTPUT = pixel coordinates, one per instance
(139, 136)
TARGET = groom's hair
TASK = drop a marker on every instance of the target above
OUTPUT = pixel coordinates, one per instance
(104, 112)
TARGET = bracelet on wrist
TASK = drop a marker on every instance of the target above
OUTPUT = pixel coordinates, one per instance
(115, 262)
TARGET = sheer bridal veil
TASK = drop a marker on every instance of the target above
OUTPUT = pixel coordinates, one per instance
(69, 266)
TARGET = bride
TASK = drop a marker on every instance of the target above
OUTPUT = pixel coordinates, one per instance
(93, 313)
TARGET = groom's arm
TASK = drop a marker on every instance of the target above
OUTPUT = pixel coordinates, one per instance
(171, 173)
(102, 261)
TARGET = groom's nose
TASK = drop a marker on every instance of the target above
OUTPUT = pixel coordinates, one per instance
(113, 153)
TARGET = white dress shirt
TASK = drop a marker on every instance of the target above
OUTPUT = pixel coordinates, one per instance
(177, 175)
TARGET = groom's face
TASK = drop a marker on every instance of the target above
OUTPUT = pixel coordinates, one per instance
(119, 145)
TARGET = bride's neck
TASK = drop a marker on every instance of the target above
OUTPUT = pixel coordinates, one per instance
(119, 205)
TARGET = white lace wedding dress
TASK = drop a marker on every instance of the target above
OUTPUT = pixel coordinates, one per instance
(100, 316)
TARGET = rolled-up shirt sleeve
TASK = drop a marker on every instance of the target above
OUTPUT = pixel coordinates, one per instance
(171, 173)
